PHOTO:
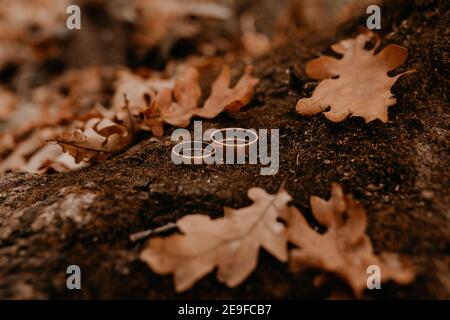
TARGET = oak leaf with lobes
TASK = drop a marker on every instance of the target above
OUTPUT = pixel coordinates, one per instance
(224, 98)
(156, 101)
(230, 243)
(356, 85)
(179, 109)
(175, 107)
(344, 249)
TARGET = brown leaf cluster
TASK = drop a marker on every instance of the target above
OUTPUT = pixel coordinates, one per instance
(156, 101)
(26, 25)
(33, 153)
(71, 111)
(29, 123)
(356, 85)
(231, 244)
(61, 110)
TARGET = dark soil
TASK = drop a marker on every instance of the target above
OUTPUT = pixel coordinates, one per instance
(398, 171)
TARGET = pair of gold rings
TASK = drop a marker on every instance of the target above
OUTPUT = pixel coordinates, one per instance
(237, 138)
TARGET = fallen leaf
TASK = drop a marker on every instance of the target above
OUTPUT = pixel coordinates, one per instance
(139, 91)
(176, 110)
(154, 102)
(344, 249)
(98, 139)
(18, 158)
(138, 104)
(224, 98)
(8, 102)
(362, 87)
(230, 243)
(34, 155)
(44, 116)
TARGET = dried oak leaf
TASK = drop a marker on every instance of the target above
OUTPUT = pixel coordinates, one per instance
(155, 101)
(224, 98)
(177, 106)
(362, 87)
(139, 91)
(99, 138)
(17, 159)
(8, 101)
(344, 249)
(230, 243)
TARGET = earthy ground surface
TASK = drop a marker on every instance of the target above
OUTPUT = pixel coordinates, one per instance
(398, 171)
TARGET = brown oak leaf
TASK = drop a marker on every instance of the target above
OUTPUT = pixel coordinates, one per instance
(224, 98)
(344, 249)
(174, 107)
(139, 91)
(230, 243)
(356, 85)
(154, 102)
